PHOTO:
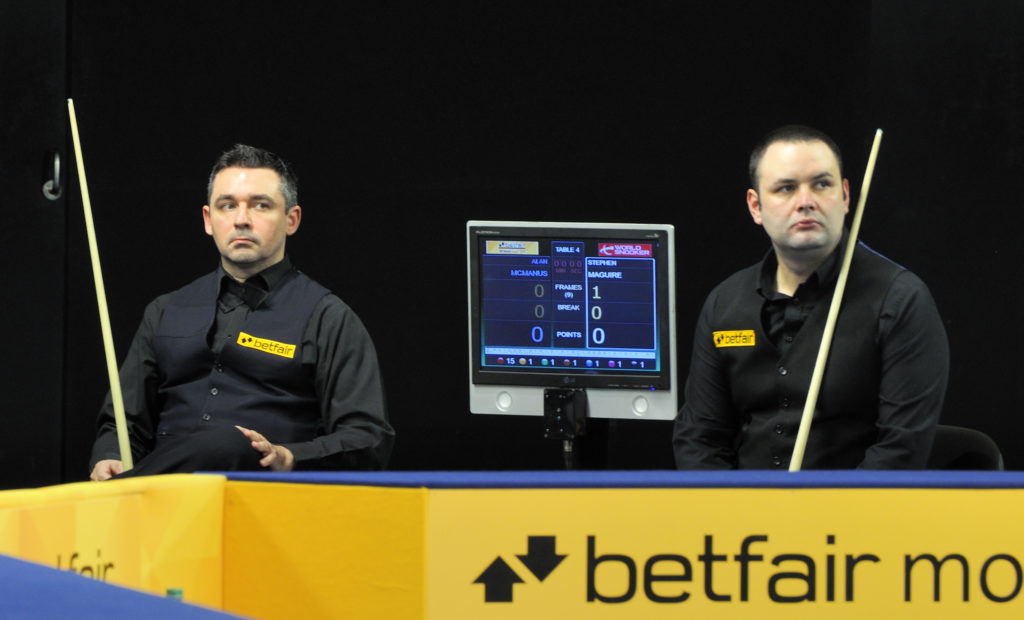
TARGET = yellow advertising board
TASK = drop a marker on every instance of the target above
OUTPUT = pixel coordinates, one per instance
(280, 548)
(725, 553)
(148, 533)
(324, 551)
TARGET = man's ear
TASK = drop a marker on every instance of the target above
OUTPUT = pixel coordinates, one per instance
(206, 220)
(754, 206)
(846, 194)
(293, 217)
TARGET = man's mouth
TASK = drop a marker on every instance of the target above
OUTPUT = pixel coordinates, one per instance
(806, 224)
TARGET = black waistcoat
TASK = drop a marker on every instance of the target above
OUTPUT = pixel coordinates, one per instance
(258, 381)
(772, 388)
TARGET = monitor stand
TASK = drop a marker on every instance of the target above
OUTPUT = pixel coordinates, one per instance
(565, 416)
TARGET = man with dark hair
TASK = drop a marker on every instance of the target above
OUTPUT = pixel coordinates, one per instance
(791, 133)
(758, 335)
(255, 365)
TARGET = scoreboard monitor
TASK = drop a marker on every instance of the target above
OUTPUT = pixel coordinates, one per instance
(572, 305)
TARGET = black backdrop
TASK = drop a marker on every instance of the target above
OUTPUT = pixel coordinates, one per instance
(404, 120)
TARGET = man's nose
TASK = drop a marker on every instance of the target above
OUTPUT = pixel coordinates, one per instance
(242, 215)
(805, 199)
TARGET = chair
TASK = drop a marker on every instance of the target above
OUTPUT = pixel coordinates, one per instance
(958, 447)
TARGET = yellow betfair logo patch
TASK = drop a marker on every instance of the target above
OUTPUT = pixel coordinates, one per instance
(267, 346)
(734, 338)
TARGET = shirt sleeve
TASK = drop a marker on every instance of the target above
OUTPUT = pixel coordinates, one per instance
(350, 390)
(914, 353)
(706, 428)
(139, 376)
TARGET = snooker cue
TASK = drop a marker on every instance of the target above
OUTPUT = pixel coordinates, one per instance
(833, 314)
(101, 301)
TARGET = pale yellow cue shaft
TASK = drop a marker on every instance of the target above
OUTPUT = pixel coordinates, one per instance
(101, 301)
(833, 314)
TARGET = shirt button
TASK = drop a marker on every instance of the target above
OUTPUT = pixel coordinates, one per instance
(783, 371)
(213, 391)
(789, 339)
(779, 428)
(206, 417)
(776, 460)
(784, 403)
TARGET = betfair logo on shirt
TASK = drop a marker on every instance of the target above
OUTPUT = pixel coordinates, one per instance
(267, 346)
(734, 338)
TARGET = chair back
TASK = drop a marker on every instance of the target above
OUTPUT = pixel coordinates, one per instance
(958, 447)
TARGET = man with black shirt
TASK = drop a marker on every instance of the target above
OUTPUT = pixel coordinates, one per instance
(758, 335)
(254, 366)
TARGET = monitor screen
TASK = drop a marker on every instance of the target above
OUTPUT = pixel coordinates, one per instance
(572, 305)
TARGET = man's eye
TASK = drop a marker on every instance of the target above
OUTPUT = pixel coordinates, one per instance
(226, 205)
(261, 205)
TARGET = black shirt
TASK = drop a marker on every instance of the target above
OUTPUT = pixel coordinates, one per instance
(910, 356)
(782, 316)
(336, 346)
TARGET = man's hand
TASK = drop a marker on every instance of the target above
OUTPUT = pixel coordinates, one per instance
(105, 469)
(277, 458)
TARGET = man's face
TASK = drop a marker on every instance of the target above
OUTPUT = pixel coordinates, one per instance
(800, 199)
(246, 218)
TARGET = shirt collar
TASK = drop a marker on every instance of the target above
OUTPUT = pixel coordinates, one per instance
(826, 273)
(256, 288)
